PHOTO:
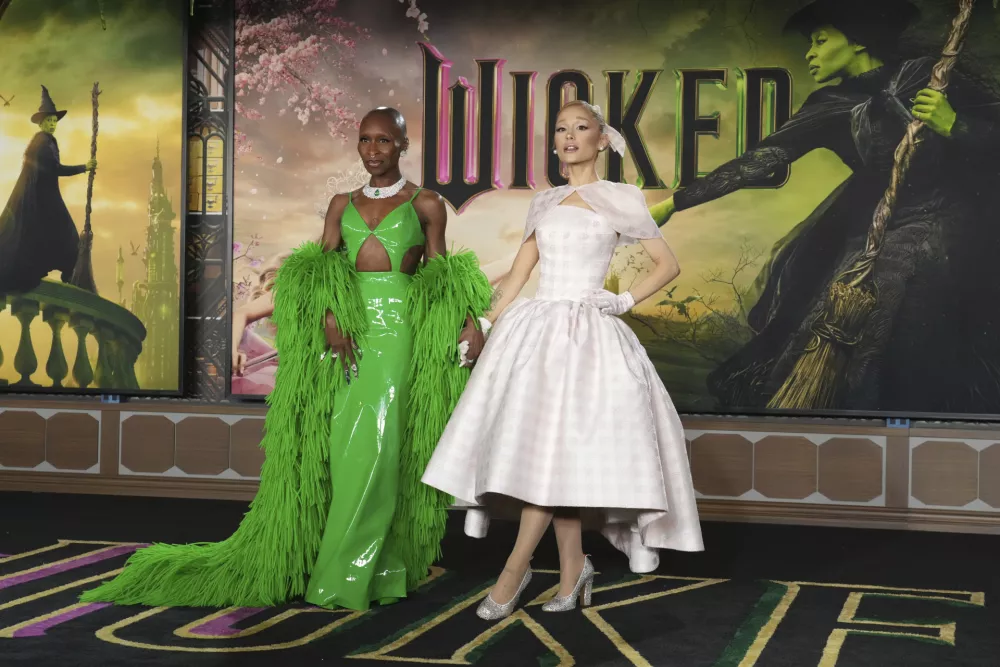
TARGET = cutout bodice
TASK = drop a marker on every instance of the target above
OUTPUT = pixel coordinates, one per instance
(398, 232)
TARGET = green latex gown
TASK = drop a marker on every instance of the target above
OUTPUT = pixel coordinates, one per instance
(355, 564)
(340, 516)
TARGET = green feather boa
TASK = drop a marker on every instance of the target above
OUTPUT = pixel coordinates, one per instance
(267, 561)
(447, 289)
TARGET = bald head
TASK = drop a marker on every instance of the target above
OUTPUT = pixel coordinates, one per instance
(391, 114)
(382, 140)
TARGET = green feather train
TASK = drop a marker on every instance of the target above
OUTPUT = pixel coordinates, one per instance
(268, 560)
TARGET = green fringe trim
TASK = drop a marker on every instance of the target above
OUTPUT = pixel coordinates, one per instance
(268, 559)
(443, 293)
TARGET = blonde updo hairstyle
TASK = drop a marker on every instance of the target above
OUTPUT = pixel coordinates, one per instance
(594, 112)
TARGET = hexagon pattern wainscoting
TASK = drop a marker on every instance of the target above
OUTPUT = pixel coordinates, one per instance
(36, 440)
(955, 474)
(189, 445)
(932, 468)
(788, 467)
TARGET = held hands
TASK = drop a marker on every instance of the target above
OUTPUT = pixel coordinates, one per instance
(934, 109)
(91, 165)
(341, 347)
(609, 303)
(472, 340)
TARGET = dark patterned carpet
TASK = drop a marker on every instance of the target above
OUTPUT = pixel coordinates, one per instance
(761, 596)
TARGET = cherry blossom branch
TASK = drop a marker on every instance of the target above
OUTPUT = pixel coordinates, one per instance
(293, 48)
(414, 13)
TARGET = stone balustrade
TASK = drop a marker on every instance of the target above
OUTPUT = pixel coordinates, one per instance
(119, 335)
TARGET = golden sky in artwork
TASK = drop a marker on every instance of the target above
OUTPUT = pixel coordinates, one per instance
(138, 62)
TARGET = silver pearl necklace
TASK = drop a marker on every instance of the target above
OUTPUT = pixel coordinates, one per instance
(386, 192)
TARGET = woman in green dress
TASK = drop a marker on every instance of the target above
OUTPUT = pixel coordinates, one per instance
(368, 337)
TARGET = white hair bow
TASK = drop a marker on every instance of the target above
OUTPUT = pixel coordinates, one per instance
(615, 138)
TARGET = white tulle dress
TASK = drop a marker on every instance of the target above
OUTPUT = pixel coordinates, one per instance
(564, 408)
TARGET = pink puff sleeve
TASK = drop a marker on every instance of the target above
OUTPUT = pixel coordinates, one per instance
(624, 207)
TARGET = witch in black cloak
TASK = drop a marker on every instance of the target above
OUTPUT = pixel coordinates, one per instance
(932, 345)
(37, 233)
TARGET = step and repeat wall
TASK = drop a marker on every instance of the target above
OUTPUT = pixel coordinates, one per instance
(792, 299)
(801, 321)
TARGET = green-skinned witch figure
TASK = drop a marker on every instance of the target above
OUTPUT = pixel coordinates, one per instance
(37, 233)
(932, 342)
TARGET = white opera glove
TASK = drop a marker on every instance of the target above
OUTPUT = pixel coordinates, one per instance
(463, 347)
(609, 303)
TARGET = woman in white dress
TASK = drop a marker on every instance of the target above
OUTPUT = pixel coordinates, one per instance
(564, 417)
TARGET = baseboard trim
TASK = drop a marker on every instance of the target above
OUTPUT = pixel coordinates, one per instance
(844, 516)
(850, 516)
(159, 487)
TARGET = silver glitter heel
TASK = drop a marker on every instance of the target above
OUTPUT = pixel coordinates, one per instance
(494, 611)
(582, 591)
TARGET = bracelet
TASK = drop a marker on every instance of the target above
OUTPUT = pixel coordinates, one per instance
(485, 325)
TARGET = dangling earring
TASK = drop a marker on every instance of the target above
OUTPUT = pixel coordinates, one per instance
(402, 152)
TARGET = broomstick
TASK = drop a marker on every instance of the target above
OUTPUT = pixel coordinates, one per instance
(83, 272)
(816, 378)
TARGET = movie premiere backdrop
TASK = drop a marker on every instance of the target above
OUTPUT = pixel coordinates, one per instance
(778, 308)
(90, 262)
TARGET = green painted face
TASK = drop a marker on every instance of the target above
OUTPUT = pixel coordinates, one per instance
(833, 56)
(48, 125)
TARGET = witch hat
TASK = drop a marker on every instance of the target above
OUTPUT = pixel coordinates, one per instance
(47, 108)
(862, 21)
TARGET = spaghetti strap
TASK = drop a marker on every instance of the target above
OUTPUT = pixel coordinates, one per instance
(415, 193)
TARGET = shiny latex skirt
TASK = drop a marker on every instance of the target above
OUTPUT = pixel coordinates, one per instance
(355, 565)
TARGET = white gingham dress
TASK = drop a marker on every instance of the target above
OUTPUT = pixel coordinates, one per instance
(564, 408)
